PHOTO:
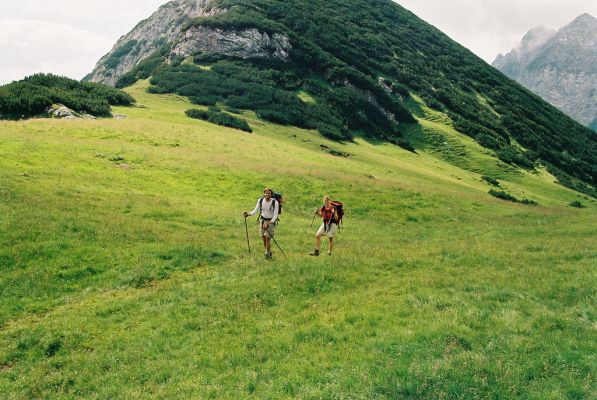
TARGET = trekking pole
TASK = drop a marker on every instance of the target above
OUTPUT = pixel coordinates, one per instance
(247, 232)
(276, 242)
(313, 220)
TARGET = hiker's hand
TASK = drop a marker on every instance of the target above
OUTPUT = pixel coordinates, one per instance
(266, 225)
(246, 214)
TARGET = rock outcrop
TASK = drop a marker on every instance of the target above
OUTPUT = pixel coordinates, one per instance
(163, 27)
(245, 43)
(559, 66)
(60, 111)
(167, 27)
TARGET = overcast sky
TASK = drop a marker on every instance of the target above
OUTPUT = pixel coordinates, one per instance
(67, 37)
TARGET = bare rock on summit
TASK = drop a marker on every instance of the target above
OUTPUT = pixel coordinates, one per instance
(165, 26)
(170, 26)
(243, 43)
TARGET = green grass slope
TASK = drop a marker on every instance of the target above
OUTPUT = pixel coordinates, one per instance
(124, 271)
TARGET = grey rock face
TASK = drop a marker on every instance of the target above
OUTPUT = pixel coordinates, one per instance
(244, 44)
(559, 66)
(164, 26)
(61, 111)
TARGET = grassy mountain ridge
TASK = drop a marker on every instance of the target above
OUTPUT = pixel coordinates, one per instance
(125, 272)
(360, 61)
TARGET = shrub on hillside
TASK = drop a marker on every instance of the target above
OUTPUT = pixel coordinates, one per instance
(123, 51)
(204, 99)
(219, 118)
(576, 204)
(490, 180)
(500, 194)
(233, 110)
(512, 155)
(31, 97)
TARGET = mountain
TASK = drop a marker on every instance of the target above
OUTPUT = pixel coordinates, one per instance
(347, 69)
(560, 66)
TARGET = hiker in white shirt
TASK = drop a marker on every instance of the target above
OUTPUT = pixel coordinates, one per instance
(268, 208)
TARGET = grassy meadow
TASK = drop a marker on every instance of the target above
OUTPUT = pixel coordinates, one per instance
(124, 271)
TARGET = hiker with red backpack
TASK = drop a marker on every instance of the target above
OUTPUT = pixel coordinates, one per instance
(268, 208)
(331, 212)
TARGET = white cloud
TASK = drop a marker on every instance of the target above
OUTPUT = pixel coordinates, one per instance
(65, 37)
(35, 46)
(489, 27)
(104, 17)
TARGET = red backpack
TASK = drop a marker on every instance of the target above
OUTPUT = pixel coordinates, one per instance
(338, 206)
(339, 210)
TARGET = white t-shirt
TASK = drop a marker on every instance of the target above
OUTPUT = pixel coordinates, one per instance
(267, 211)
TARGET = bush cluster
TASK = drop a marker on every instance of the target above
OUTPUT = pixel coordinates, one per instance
(267, 89)
(491, 180)
(33, 95)
(500, 194)
(576, 204)
(219, 118)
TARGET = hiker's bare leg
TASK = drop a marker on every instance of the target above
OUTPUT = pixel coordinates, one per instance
(331, 245)
(318, 242)
(268, 244)
(264, 242)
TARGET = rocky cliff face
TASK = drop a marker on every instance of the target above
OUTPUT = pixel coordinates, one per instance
(559, 66)
(166, 25)
(244, 43)
(163, 27)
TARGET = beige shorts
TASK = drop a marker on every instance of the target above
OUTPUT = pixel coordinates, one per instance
(332, 229)
(269, 232)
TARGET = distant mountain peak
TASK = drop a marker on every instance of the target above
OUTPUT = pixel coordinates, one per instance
(535, 38)
(585, 18)
(560, 66)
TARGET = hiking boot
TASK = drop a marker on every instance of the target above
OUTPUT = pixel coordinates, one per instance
(329, 253)
(268, 256)
(315, 253)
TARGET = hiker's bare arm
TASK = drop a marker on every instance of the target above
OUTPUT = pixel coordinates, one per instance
(255, 210)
